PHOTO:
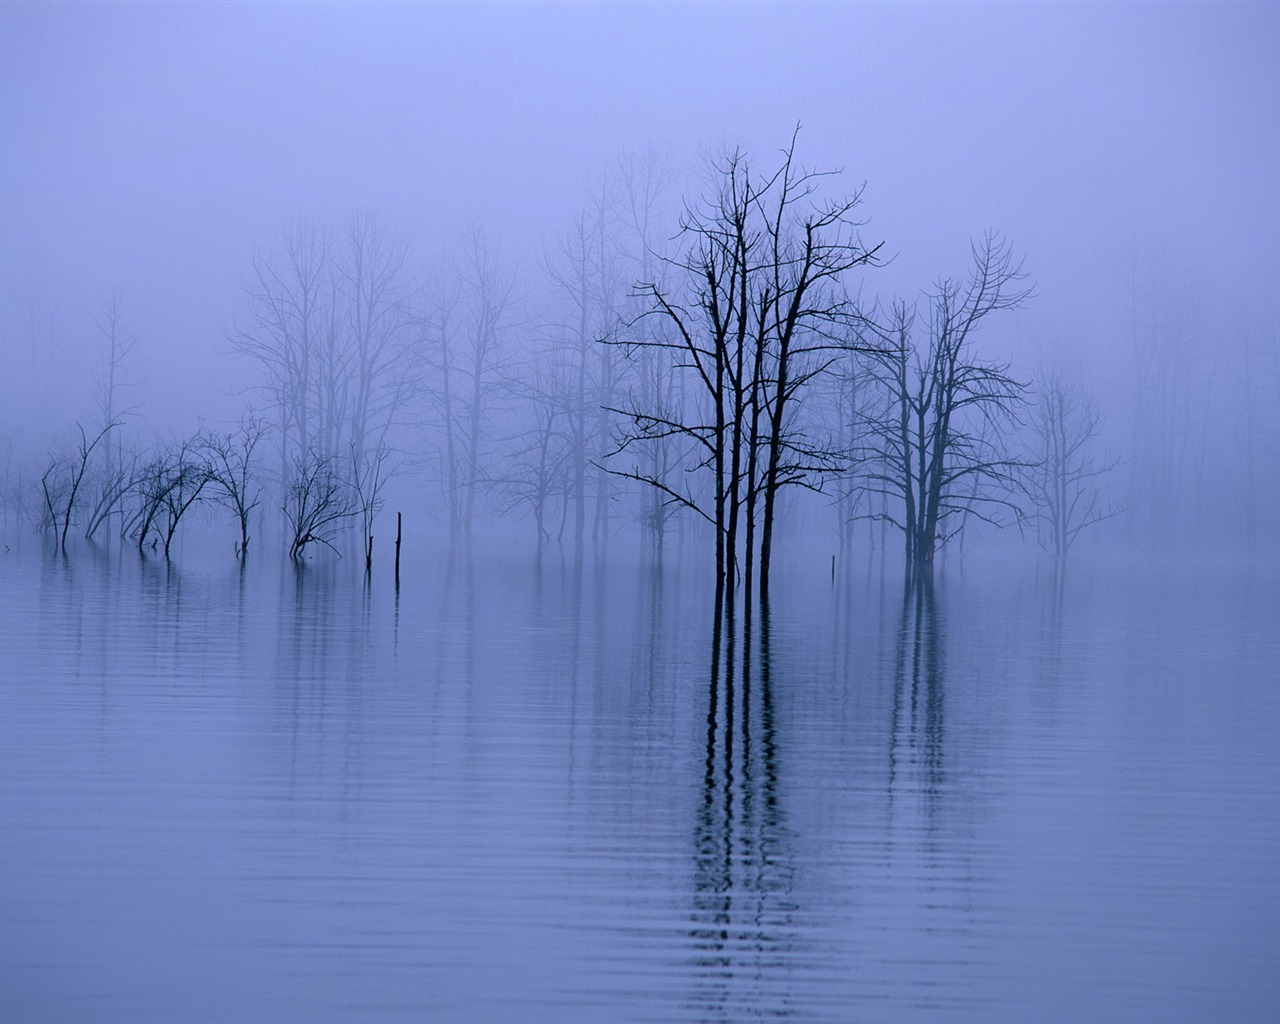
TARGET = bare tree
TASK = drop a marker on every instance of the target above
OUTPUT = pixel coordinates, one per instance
(376, 295)
(473, 311)
(190, 474)
(369, 472)
(318, 499)
(63, 480)
(292, 336)
(168, 485)
(234, 485)
(759, 305)
(1065, 478)
(121, 337)
(934, 448)
(111, 489)
(543, 463)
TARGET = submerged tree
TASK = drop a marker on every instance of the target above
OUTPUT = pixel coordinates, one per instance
(168, 485)
(63, 483)
(369, 472)
(935, 446)
(318, 499)
(234, 485)
(755, 309)
(1065, 478)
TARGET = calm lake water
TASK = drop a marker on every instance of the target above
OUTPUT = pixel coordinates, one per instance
(513, 795)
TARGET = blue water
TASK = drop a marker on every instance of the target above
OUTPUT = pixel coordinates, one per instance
(513, 794)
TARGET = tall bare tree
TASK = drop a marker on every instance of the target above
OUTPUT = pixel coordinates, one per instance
(934, 447)
(473, 315)
(757, 306)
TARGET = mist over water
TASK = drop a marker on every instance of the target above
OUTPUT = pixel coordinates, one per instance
(639, 512)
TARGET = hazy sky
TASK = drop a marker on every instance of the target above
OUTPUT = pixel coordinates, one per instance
(150, 147)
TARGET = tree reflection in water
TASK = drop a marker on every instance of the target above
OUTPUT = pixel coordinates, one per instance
(743, 930)
(918, 720)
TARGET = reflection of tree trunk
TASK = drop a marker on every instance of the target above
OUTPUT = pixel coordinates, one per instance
(918, 716)
(741, 856)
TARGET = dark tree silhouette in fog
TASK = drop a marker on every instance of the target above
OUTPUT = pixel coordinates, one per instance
(234, 483)
(935, 448)
(319, 500)
(63, 483)
(168, 485)
(755, 307)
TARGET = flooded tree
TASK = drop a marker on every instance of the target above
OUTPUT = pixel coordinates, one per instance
(62, 484)
(332, 332)
(539, 473)
(1065, 480)
(369, 473)
(121, 340)
(319, 499)
(169, 484)
(755, 307)
(472, 310)
(935, 446)
(291, 335)
(234, 483)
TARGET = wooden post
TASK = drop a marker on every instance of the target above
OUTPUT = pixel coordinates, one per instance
(397, 551)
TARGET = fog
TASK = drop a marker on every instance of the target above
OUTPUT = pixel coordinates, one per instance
(740, 380)
(1125, 153)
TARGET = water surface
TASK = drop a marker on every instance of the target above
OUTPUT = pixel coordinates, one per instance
(513, 794)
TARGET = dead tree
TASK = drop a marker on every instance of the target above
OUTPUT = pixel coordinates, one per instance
(541, 469)
(191, 473)
(62, 483)
(168, 486)
(234, 487)
(1065, 477)
(111, 491)
(473, 310)
(756, 308)
(318, 500)
(368, 475)
(934, 447)
(113, 323)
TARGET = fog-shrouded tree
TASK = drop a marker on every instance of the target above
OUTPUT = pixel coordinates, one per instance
(538, 474)
(377, 292)
(168, 485)
(121, 339)
(291, 336)
(610, 242)
(579, 277)
(645, 180)
(333, 331)
(935, 447)
(234, 482)
(63, 484)
(847, 395)
(319, 501)
(1066, 474)
(370, 471)
(472, 314)
(753, 310)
